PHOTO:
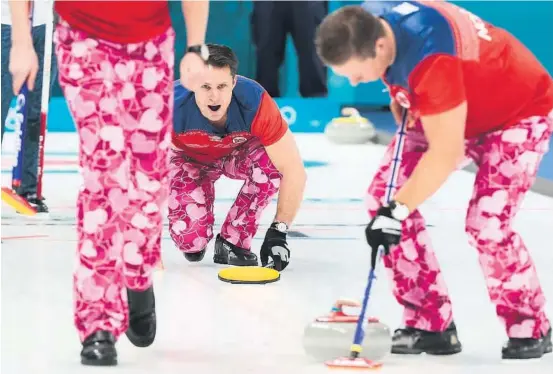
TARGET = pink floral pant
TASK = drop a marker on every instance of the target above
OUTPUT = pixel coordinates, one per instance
(121, 98)
(508, 161)
(192, 196)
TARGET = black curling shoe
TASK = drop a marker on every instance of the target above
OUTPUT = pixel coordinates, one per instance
(228, 253)
(195, 256)
(142, 317)
(526, 348)
(410, 340)
(99, 350)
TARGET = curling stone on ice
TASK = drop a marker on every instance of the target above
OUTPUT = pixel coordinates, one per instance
(351, 128)
(331, 336)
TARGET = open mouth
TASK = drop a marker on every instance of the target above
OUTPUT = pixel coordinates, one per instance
(214, 107)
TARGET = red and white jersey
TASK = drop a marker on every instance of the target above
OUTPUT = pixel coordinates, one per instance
(447, 55)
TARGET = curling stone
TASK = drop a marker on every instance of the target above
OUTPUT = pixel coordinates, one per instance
(351, 128)
(331, 336)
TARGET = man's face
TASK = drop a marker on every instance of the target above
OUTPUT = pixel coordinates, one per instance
(214, 95)
(364, 70)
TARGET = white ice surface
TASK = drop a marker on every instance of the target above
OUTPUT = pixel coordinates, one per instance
(207, 326)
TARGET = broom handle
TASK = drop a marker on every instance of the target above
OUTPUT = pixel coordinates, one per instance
(45, 97)
(356, 347)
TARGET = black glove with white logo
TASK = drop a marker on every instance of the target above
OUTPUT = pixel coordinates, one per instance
(385, 228)
(275, 253)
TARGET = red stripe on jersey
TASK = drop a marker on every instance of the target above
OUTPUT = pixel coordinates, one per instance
(465, 33)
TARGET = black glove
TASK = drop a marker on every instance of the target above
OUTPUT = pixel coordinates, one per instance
(275, 247)
(383, 230)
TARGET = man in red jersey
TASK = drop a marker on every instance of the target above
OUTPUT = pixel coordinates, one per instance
(231, 126)
(116, 70)
(471, 88)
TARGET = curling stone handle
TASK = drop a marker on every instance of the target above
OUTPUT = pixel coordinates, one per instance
(337, 307)
(337, 312)
(350, 112)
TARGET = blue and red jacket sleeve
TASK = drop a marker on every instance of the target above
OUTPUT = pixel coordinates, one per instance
(268, 124)
(437, 84)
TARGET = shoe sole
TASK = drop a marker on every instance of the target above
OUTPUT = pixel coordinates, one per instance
(411, 351)
(547, 350)
(142, 341)
(225, 261)
(139, 340)
(220, 260)
(103, 362)
(521, 357)
(197, 259)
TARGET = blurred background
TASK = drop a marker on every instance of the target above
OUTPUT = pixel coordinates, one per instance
(232, 23)
(308, 95)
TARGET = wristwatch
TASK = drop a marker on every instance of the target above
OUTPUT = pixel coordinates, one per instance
(399, 211)
(280, 226)
(201, 49)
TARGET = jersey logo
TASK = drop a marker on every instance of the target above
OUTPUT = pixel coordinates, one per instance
(239, 139)
(405, 8)
(402, 99)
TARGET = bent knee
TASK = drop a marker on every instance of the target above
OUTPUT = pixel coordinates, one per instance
(485, 231)
(191, 237)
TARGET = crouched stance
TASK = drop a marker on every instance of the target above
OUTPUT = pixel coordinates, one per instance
(231, 127)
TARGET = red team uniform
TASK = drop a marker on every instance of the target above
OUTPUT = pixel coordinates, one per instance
(117, 21)
(446, 55)
(116, 63)
(204, 152)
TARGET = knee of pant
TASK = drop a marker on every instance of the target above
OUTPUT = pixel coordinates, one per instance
(190, 238)
(266, 178)
(486, 232)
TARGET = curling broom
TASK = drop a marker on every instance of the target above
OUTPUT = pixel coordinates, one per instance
(45, 99)
(354, 361)
(17, 115)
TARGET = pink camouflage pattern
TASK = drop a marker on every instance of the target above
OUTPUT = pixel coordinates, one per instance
(121, 99)
(192, 196)
(508, 161)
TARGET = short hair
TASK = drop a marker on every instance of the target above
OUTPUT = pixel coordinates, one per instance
(349, 32)
(221, 56)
